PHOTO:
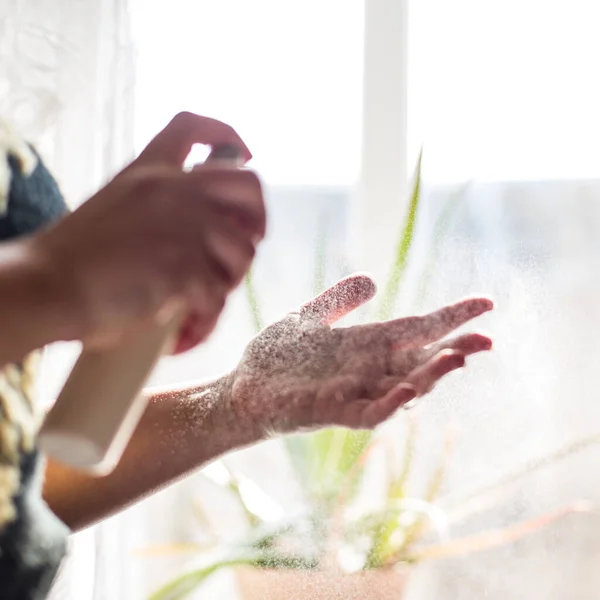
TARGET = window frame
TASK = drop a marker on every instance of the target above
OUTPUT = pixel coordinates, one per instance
(383, 181)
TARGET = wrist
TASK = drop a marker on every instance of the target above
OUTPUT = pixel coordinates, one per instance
(33, 311)
(222, 419)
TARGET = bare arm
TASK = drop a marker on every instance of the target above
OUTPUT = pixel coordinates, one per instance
(181, 431)
(34, 305)
(298, 374)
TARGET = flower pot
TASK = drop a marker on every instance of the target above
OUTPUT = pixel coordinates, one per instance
(285, 584)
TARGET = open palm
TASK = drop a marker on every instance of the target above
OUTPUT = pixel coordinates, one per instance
(300, 373)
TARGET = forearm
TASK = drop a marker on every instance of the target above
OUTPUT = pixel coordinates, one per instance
(33, 310)
(180, 431)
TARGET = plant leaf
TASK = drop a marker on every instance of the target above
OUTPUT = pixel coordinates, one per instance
(414, 531)
(301, 451)
(337, 452)
(346, 448)
(390, 517)
(325, 460)
(321, 256)
(496, 537)
(409, 454)
(390, 293)
(234, 487)
(185, 584)
(273, 560)
(180, 587)
(253, 303)
(382, 533)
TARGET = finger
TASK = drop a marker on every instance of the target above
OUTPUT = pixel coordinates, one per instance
(205, 296)
(339, 300)
(203, 301)
(385, 384)
(467, 344)
(421, 331)
(233, 253)
(196, 328)
(172, 145)
(385, 407)
(415, 332)
(187, 262)
(379, 410)
(352, 415)
(232, 192)
(403, 362)
(196, 275)
(423, 378)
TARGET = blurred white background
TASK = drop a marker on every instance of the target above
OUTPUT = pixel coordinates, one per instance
(504, 95)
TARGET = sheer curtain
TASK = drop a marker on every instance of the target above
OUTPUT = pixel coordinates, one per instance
(67, 80)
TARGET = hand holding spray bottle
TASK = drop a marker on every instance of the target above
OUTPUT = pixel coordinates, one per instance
(102, 400)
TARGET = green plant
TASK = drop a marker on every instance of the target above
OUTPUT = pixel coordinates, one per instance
(329, 466)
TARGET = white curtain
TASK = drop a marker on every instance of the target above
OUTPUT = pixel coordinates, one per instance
(66, 77)
(67, 80)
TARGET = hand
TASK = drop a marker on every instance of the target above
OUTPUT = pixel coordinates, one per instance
(156, 238)
(299, 373)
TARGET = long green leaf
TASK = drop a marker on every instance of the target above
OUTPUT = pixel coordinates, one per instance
(335, 453)
(321, 256)
(417, 528)
(185, 584)
(390, 293)
(234, 487)
(390, 520)
(409, 455)
(180, 587)
(497, 537)
(253, 303)
(383, 531)
(307, 452)
(324, 460)
(300, 450)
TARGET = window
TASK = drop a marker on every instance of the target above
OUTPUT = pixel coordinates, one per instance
(505, 91)
(289, 79)
(504, 98)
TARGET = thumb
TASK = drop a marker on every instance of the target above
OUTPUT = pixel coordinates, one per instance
(172, 145)
(340, 299)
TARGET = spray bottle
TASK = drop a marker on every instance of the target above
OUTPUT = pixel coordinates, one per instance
(102, 401)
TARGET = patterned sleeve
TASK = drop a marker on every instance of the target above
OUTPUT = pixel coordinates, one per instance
(32, 538)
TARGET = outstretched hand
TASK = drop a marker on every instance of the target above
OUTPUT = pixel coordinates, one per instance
(300, 373)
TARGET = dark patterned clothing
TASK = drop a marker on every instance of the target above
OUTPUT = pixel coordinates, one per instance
(32, 538)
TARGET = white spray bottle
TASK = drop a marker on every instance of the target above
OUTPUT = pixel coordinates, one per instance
(102, 401)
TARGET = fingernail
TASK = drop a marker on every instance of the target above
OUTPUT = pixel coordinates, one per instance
(410, 405)
(453, 358)
(460, 360)
(482, 340)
